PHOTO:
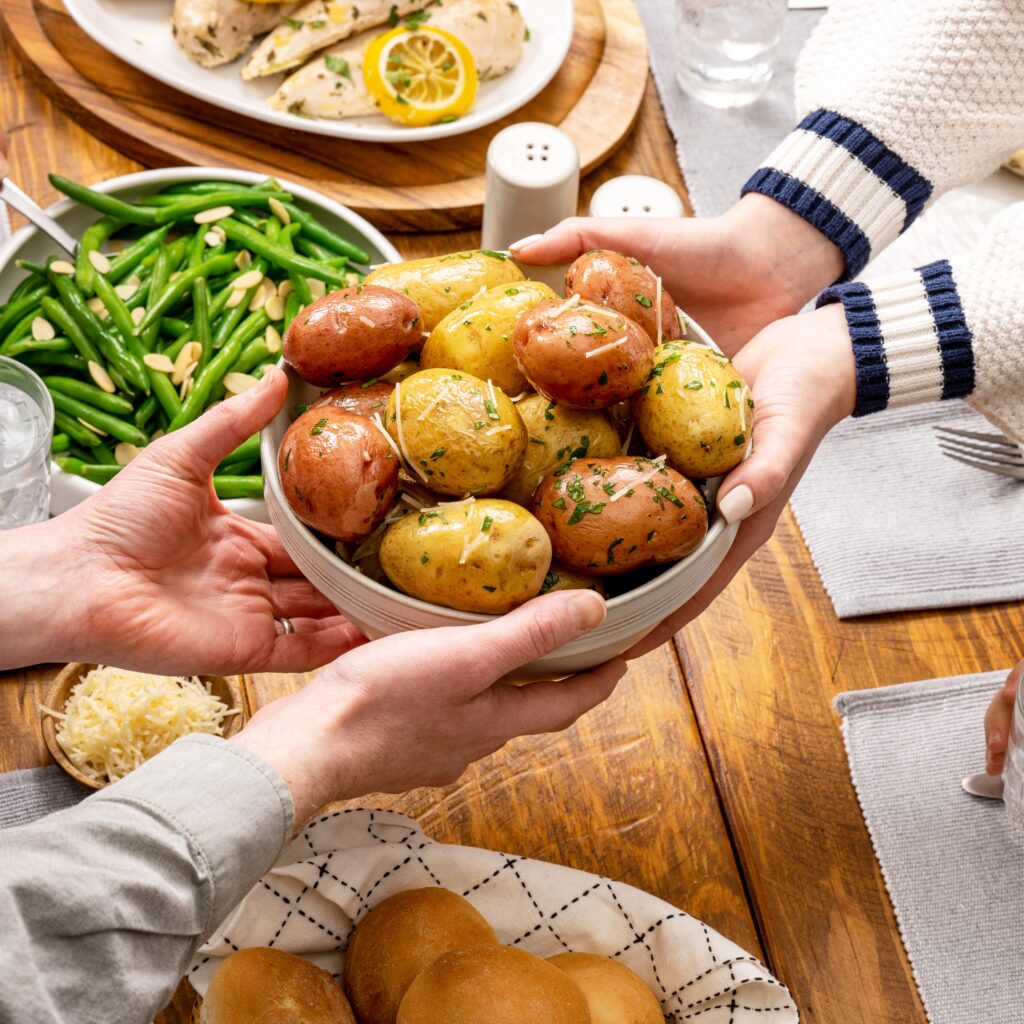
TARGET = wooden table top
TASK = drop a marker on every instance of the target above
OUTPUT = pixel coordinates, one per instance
(715, 776)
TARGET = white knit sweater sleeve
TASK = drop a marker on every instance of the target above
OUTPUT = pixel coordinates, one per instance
(901, 100)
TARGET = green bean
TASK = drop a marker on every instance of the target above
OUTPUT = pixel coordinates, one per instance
(109, 205)
(248, 450)
(175, 327)
(90, 394)
(92, 240)
(250, 220)
(277, 254)
(238, 486)
(113, 349)
(201, 320)
(139, 296)
(117, 310)
(65, 360)
(220, 364)
(13, 311)
(291, 309)
(197, 248)
(176, 288)
(70, 426)
(242, 467)
(104, 421)
(251, 356)
(59, 316)
(144, 413)
(317, 252)
(57, 344)
(78, 452)
(129, 259)
(25, 285)
(230, 321)
(316, 232)
(22, 329)
(198, 188)
(103, 453)
(191, 205)
(59, 443)
(99, 473)
(32, 268)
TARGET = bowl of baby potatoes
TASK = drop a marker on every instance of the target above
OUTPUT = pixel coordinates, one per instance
(427, 956)
(458, 439)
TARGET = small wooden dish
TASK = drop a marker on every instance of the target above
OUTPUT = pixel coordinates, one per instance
(227, 688)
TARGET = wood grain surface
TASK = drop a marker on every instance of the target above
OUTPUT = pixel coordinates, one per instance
(715, 776)
(437, 185)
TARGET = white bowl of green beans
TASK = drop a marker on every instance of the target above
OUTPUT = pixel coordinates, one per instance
(84, 334)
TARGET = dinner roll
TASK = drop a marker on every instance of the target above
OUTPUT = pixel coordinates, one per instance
(614, 993)
(493, 985)
(397, 939)
(269, 985)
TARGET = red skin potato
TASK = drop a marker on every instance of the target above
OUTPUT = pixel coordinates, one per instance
(625, 285)
(663, 520)
(338, 472)
(328, 342)
(359, 397)
(550, 351)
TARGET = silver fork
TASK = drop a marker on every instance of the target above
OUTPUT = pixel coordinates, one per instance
(994, 453)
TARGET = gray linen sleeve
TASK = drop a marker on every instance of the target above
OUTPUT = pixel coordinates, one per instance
(103, 905)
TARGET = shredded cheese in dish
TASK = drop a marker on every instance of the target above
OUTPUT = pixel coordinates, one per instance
(115, 719)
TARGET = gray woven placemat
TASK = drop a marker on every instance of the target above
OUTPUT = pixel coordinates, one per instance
(892, 524)
(953, 864)
(719, 149)
(29, 794)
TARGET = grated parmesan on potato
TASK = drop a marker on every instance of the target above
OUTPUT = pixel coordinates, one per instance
(115, 719)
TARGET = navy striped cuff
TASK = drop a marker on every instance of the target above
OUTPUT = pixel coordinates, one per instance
(844, 180)
(911, 342)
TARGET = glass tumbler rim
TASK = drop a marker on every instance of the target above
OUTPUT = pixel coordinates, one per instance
(43, 399)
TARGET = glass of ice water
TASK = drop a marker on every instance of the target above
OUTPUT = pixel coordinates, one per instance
(26, 426)
(726, 48)
(1013, 766)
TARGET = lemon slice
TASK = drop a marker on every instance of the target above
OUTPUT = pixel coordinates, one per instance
(420, 75)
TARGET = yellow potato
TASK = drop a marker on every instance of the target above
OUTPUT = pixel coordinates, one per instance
(613, 992)
(484, 555)
(696, 409)
(440, 283)
(560, 577)
(476, 336)
(556, 434)
(459, 434)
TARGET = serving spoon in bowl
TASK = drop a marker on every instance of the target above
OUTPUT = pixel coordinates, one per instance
(24, 204)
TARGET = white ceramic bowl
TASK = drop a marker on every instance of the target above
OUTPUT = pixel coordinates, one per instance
(28, 243)
(379, 611)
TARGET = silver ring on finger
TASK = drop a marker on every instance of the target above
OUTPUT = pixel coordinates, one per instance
(286, 626)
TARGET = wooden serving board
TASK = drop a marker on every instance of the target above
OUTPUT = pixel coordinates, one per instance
(422, 186)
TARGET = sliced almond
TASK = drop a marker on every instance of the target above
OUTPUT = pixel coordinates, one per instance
(235, 298)
(96, 305)
(351, 280)
(285, 289)
(275, 306)
(188, 357)
(272, 337)
(278, 210)
(186, 384)
(248, 280)
(213, 215)
(236, 383)
(174, 276)
(156, 434)
(99, 262)
(124, 453)
(258, 300)
(62, 267)
(243, 259)
(134, 281)
(316, 287)
(42, 329)
(159, 362)
(101, 378)
(125, 291)
(138, 315)
(89, 426)
(213, 238)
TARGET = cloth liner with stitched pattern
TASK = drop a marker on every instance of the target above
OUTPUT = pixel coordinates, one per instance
(342, 864)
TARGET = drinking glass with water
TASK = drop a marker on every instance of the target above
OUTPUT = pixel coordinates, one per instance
(726, 48)
(26, 426)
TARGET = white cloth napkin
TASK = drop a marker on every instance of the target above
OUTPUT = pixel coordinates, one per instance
(342, 864)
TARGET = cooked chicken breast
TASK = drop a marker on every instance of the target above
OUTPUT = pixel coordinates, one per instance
(215, 32)
(318, 24)
(331, 85)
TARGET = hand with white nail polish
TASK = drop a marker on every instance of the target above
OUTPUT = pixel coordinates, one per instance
(998, 718)
(801, 375)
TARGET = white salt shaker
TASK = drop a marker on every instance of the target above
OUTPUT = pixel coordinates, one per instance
(636, 195)
(533, 182)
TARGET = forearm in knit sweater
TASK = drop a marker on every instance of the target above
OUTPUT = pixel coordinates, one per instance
(901, 100)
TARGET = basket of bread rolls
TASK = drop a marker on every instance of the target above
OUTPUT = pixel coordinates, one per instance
(365, 920)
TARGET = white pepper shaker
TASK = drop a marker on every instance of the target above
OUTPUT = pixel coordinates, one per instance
(636, 195)
(533, 182)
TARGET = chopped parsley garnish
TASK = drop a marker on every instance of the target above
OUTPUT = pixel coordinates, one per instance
(287, 459)
(611, 549)
(668, 496)
(599, 331)
(739, 439)
(548, 414)
(319, 427)
(486, 524)
(558, 503)
(511, 291)
(437, 454)
(300, 409)
(693, 385)
(493, 254)
(537, 440)
(643, 300)
(583, 508)
(575, 489)
(489, 589)
(492, 412)
(424, 558)
(393, 15)
(603, 379)
(549, 581)
(294, 23)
